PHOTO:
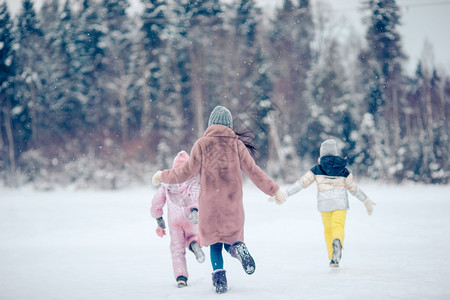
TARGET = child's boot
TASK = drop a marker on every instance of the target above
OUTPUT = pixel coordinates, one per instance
(219, 280)
(240, 251)
(334, 264)
(337, 251)
(181, 281)
(198, 252)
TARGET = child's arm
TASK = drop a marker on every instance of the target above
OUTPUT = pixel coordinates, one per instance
(295, 188)
(356, 191)
(305, 181)
(158, 202)
(300, 184)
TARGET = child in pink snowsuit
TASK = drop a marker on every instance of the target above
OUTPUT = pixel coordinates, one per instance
(182, 209)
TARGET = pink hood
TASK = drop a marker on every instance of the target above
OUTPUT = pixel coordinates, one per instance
(180, 159)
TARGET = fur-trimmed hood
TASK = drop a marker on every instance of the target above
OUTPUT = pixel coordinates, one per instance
(333, 165)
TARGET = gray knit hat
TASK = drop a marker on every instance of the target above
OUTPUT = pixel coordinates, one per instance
(328, 147)
(221, 116)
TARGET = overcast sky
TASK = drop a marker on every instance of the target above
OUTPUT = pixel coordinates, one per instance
(422, 20)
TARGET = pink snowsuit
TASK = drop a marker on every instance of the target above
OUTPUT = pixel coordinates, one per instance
(180, 199)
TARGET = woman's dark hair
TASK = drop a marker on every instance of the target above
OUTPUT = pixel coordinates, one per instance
(247, 138)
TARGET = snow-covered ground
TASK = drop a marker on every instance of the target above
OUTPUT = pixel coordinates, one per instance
(69, 244)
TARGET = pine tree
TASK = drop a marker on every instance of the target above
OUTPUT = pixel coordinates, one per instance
(424, 150)
(265, 109)
(154, 22)
(329, 102)
(196, 32)
(49, 18)
(10, 109)
(384, 57)
(291, 54)
(384, 39)
(251, 84)
(29, 82)
(87, 66)
(117, 44)
(205, 25)
(116, 14)
(161, 87)
(385, 47)
(369, 149)
(70, 99)
(55, 77)
(178, 33)
(440, 130)
(245, 23)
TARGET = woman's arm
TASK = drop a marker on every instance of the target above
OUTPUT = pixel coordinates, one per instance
(187, 171)
(256, 175)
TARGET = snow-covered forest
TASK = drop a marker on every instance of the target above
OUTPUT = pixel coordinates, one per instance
(92, 95)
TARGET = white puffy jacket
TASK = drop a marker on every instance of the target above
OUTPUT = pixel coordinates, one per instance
(333, 181)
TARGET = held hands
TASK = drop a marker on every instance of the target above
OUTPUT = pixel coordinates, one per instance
(193, 216)
(156, 179)
(279, 197)
(369, 205)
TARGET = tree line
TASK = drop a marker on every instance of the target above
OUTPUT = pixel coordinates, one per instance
(91, 93)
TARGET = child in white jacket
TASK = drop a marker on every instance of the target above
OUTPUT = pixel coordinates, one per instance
(333, 181)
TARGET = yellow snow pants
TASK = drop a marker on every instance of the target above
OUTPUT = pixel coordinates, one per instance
(333, 224)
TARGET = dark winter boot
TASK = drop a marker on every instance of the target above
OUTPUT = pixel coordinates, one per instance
(219, 280)
(198, 252)
(240, 251)
(181, 281)
(337, 250)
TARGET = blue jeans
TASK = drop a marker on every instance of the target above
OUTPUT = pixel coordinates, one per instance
(216, 255)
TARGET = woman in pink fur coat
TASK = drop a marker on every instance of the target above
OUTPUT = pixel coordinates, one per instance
(182, 208)
(220, 157)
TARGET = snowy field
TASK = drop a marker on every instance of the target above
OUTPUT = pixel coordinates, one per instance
(69, 244)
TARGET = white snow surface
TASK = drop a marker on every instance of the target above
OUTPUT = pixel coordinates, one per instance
(72, 244)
